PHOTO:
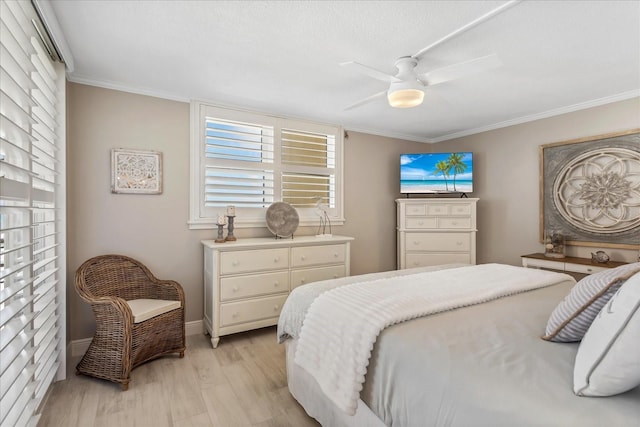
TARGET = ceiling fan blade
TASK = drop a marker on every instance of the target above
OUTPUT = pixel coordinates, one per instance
(371, 72)
(460, 70)
(364, 101)
(468, 26)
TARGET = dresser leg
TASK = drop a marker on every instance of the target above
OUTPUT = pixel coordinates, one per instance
(215, 341)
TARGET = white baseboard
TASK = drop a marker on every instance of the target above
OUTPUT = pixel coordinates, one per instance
(193, 328)
(79, 347)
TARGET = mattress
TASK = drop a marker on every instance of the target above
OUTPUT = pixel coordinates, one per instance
(478, 365)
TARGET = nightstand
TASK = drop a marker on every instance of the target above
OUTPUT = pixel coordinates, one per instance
(567, 264)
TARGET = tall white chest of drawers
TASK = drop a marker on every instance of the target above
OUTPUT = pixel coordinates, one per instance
(246, 282)
(436, 231)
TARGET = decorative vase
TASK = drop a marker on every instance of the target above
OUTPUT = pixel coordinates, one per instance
(554, 244)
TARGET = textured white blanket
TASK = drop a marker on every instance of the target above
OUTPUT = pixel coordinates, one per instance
(341, 325)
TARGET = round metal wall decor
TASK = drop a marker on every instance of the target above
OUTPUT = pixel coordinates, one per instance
(596, 191)
(590, 190)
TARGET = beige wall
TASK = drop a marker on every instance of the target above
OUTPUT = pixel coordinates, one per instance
(506, 172)
(153, 228)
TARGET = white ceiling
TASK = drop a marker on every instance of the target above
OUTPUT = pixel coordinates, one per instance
(283, 57)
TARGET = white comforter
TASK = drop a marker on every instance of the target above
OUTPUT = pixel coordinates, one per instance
(342, 324)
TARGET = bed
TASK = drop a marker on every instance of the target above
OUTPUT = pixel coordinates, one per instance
(482, 363)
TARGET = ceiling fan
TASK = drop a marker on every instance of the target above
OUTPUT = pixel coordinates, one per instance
(406, 88)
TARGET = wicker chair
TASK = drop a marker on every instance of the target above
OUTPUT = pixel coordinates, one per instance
(120, 344)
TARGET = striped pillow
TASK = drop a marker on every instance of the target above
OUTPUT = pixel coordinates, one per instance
(573, 316)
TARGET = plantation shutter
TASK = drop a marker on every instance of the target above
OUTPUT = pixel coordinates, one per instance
(308, 168)
(32, 274)
(251, 160)
(239, 164)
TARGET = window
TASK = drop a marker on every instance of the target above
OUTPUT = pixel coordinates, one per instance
(250, 161)
(32, 217)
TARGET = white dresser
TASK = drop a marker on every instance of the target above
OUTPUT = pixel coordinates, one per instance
(246, 282)
(436, 231)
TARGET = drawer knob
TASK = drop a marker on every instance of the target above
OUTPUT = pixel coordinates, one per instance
(276, 307)
(235, 315)
(276, 259)
(276, 284)
(335, 255)
(459, 243)
(235, 263)
(235, 289)
(335, 276)
(303, 280)
(589, 270)
(415, 242)
(454, 222)
(421, 223)
(303, 257)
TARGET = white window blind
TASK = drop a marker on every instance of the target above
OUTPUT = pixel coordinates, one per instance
(238, 164)
(32, 274)
(250, 161)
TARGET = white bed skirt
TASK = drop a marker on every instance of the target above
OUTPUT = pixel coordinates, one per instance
(308, 393)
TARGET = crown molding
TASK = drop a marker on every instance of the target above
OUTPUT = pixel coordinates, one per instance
(396, 135)
(544, 115)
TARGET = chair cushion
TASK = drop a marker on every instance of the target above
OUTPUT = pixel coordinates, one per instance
(145, 309)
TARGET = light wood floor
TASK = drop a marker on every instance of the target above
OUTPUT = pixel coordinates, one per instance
(241, 383)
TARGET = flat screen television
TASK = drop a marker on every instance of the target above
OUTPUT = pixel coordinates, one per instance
(434, 173)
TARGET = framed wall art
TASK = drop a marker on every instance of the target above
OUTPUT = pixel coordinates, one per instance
(136, 171)
(590, 190)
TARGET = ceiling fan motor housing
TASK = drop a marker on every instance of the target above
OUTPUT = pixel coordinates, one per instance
(406, 91)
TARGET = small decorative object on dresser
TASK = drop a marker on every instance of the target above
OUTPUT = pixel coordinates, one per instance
(220, 224)
(436, 231)
(599, 256)
(282, 219)
(554, 244)
(230, 237)
(325, 221)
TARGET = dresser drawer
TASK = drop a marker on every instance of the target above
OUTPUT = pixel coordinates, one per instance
(585, 269)
(424, 223)
(424, 260)
(236, 287)
(232, 313)
(438, 209)
(315, 255)
(309, 275)
(255, 260)
(460, 209)
(461, 222)
(440, 242)
(544, 263)
(418, 209)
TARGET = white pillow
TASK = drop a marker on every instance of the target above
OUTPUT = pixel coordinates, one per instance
(608, 359)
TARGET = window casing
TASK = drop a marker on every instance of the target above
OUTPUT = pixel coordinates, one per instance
(251, 160)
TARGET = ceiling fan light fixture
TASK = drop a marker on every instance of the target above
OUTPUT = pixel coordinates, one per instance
(405, 98)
